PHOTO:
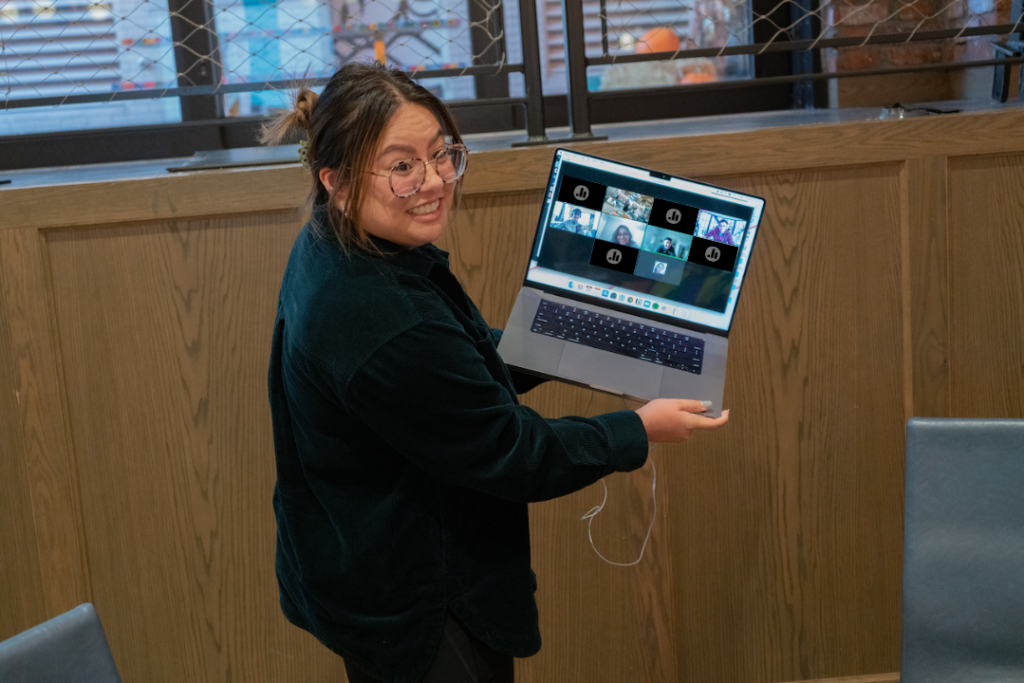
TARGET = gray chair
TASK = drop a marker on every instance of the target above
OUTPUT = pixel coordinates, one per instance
(963, 560)
(70, 647)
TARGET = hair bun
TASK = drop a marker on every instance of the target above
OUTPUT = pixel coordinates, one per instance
(305, 101)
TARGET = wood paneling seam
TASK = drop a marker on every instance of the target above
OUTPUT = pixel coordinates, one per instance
(65, 416)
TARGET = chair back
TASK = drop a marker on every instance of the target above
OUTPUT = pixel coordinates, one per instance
(963, 560)
(69, 647)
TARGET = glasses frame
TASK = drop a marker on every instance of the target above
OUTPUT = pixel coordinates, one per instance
(463, 148)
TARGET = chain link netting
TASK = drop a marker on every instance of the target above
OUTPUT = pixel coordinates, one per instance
(624, 27)
(250, 51)
(68, 48)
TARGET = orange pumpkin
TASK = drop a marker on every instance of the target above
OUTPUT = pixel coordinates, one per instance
(660, 39)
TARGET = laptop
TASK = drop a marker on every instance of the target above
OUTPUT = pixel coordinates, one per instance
(632, 281)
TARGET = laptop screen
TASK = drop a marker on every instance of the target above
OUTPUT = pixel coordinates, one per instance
(669, 247)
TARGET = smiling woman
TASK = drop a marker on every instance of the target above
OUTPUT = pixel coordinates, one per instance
(362, 132)
(404, 459)
(410, 206)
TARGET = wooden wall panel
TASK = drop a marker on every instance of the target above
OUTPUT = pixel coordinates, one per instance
(887, 281)
(22, 601)
(816, 377)
(166, 331)
(47, 505)
(776, 552)
(986, 275)
(927, 279)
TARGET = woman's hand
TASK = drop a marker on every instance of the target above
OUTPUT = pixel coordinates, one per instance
(670, 420)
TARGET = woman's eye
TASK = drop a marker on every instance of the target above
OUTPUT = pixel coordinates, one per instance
(402, 167)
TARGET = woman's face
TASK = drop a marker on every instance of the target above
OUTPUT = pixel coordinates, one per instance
(622, 236)
(413, 133)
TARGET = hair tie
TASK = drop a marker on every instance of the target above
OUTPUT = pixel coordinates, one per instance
(304, 153)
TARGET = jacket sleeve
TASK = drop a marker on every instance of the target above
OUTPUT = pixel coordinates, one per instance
(430, 394)
(522, 381)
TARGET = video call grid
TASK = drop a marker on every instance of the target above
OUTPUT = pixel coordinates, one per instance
(630, 221)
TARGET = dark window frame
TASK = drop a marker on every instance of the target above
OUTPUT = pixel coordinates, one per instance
(783, 79)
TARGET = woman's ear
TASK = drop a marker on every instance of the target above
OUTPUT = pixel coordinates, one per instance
(328, 177)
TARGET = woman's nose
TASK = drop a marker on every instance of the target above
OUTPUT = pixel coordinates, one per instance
(431, 178)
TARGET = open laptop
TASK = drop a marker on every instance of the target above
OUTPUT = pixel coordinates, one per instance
(632, 281)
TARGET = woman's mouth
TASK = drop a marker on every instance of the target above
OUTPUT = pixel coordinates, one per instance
(424, 209)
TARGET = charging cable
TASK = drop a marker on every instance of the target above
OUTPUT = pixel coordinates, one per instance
(593, 513)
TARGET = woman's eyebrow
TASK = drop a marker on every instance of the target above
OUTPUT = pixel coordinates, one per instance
(408, 148)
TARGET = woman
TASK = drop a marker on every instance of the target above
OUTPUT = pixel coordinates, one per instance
(404, 459)
(624, 237)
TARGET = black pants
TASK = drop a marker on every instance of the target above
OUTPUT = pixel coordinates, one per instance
(460, 659)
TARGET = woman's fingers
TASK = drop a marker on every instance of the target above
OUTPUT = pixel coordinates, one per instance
(712, 422)
(674, 420)
(690, 406)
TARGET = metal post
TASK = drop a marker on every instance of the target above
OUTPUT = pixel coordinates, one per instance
(576, 70)
(195, 57)
(1001, 73)
(604, 28)
(535, 126)
(1017, 17)
(803, 61)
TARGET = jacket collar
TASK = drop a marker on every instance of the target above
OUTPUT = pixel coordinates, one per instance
(419, 260)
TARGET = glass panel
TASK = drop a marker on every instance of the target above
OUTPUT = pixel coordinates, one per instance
(878, 17)
(264, 41)
(640, 26)
(61, 48)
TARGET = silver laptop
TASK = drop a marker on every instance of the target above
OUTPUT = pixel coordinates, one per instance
(632, 281)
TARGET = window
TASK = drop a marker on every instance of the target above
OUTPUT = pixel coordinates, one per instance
(53, 50)
(263, 41)
(638, 26)
(80, 65)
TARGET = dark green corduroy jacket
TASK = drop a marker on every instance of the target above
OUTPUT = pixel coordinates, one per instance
(405, 462)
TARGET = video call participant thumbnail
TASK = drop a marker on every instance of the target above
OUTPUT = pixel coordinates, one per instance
(614, 256)
(713, 254)
(627, 204)
(620, 231)
(574, 219)
(667, 242)
(659, 267)
(667, 247)
(719, 228)
(581, 193)
(672, 216)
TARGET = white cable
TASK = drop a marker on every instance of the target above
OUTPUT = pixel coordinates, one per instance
(593, 513)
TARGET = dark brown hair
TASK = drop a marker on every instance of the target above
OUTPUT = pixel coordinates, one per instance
(344, 125)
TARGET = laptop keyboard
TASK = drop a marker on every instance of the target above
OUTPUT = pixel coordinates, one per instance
(646, 342)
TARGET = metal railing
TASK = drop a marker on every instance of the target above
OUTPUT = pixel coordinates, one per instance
(49, 47)
(797, 37)
(202, 56)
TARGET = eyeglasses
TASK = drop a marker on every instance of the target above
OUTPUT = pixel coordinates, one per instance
(406, 177)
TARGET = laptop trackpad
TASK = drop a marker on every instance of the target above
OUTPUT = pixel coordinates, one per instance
(603, 368)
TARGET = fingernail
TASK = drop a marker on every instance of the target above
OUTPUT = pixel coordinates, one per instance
(706, 404)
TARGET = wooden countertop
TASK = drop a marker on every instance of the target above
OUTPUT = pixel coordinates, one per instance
(145, 191)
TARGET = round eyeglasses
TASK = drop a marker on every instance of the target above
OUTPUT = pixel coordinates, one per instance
(406, 177)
